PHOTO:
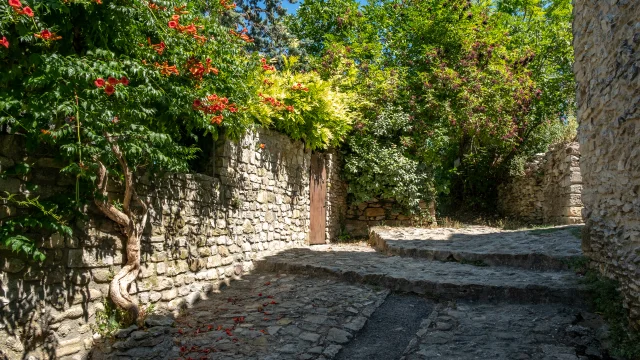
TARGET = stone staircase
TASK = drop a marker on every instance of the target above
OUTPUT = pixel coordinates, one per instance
(475, 263)
(456, 294)
(495, 294)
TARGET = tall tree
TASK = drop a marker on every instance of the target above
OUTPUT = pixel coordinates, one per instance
(265, 21)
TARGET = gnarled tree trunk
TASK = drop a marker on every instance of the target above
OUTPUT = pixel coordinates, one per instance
(132, 225)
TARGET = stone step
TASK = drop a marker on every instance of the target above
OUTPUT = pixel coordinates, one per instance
(433, 279)
(472, 330)
(541, 249)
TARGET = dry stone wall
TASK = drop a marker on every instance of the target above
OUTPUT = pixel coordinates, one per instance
(607, 49)
(336, 200)
(203, 231)
(549, 190)
(362, 216)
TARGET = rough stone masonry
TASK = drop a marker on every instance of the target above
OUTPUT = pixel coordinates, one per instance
(607, 47)
(549, 190)
(204, 229)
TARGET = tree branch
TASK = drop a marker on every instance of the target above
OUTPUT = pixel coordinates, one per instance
(128, 175)
(103, 204)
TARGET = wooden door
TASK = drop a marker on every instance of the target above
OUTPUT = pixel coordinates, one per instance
(318, 194)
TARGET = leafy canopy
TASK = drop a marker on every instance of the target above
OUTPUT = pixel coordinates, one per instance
(483, 84)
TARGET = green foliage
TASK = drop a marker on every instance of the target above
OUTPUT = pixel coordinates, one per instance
(380, 162)
(110, 319)
(483, 83)
(33, 216)
(303, 106)
(321, 22)
(83, 74)
(265, 22)
(607, 301)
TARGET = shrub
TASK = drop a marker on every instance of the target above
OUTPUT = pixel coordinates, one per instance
(379, 162)
(302, 105)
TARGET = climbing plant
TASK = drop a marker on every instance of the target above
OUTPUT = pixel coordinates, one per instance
(119, 88)
(115, 87)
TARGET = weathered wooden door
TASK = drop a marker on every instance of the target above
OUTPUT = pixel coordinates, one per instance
(318, 194)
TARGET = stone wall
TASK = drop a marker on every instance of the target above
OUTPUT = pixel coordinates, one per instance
(202, 231)
(362, 216)
(336, 201)
(607, 49)
(549, 190)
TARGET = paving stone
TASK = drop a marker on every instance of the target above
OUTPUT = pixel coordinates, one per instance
(441, 280)
(309, 336)
(123, 333)
(331, 351)
(503, 331)
(338, 336)
(159, 320)
(290, 309)
(541, 249)
(244, 321)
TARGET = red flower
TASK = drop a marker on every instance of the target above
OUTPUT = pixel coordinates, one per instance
(290, 108)
(217, 120)
(173, 24)
(262, 146)
(99, 82)
(27, 10)
(124, 81)
(112, 81)
(197, 103)
(4, 42)
(109, 89)
(175, 17)
(15, 3)
(45, 34)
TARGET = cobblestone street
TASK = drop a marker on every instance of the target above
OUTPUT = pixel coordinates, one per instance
(262, 316)
(326, 302)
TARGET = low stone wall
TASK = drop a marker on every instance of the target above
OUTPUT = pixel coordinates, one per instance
(203, 230)
(549, 191)
(362, 216)
(607, 48)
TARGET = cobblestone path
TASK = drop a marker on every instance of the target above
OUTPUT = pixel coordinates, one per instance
(472, 293)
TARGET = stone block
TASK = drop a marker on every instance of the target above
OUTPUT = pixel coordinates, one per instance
(12, 265)
(102, 275)
(92, 257)
(168, 295)
(214, 261)
(374, 212)
(10, 185)
(55, 241)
